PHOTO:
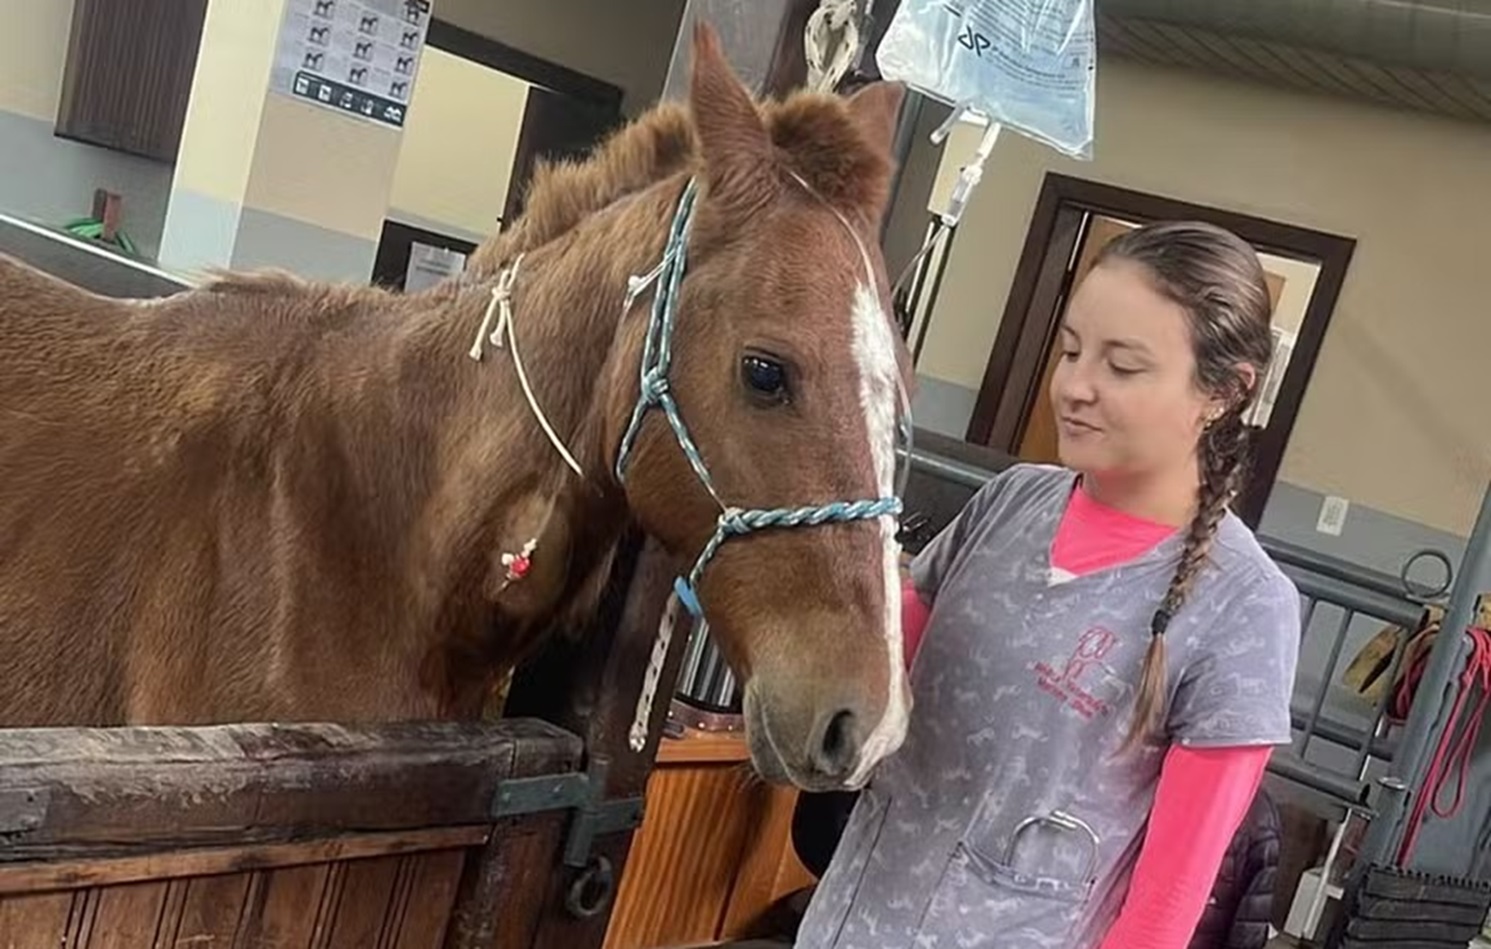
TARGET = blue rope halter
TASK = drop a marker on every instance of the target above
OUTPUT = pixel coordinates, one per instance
(657, 358)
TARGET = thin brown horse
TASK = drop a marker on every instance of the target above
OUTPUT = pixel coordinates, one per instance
(269, 499)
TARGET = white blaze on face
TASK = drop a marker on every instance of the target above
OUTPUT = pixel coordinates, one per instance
(874, 352)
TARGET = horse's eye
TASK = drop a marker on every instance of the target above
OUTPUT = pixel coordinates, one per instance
(765, 378)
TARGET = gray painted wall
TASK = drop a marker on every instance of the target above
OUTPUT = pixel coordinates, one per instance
(272, 240)
(203, 232)
(623, 42)
(50, 180)
(942, 407)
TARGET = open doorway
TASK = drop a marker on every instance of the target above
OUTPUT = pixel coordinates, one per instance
(483, 115)
(1073, 220)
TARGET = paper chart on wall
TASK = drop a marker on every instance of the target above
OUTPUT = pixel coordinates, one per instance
(1268, 387)
(428, 265)
(359, 57)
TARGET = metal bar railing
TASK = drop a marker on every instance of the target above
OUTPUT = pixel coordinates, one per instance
(1355, 594)
(946, 469)
(1342, 630)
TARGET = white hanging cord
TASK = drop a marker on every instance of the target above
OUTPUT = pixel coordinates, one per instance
(969, 177)
(972, 172)
(832, 17)
(501, 305)
(946, 220)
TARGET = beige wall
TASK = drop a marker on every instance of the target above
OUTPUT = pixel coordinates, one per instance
(321, 167)
(624, 42)
(220, 133)
(33, 46)
(1392, 418)
(457, 154)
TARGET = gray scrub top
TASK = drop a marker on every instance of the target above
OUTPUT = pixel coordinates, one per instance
(1024, 688)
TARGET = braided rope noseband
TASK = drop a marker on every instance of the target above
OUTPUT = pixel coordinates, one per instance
(657, 359)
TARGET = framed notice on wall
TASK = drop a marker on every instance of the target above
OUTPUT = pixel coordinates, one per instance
(359, 57)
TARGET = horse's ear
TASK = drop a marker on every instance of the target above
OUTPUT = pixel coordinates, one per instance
(733, 139)
(876, 109)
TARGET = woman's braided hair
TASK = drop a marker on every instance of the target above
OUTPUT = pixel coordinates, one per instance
(1217, 279)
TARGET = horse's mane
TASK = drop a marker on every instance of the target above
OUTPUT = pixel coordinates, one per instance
(814, 134)
(561, 194)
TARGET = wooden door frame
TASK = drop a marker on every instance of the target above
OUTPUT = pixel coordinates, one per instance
(1038, 287)
(446, 36)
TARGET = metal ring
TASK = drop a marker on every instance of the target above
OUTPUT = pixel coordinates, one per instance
(592, 890)
(1061, 820)
(1427, 593)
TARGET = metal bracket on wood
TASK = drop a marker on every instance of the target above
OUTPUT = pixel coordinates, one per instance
(583, 792)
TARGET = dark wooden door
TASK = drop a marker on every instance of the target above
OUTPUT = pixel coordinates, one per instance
(555, 125)
(128, 74)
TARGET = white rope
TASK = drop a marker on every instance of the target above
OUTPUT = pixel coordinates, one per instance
(501, 304)
(642, 718)
(825, 69)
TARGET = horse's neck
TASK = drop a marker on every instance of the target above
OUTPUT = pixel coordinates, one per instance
(571, 338)
(501, 482)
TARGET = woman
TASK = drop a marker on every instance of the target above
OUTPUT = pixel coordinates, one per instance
(1108, 655)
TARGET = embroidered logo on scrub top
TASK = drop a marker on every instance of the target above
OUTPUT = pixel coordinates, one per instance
(1071, 683)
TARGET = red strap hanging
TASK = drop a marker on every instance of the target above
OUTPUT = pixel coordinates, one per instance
(1452, 751)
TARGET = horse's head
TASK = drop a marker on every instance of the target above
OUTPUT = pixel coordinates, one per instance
(789, 379)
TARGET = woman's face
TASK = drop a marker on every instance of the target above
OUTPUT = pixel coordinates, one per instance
(1124, 391)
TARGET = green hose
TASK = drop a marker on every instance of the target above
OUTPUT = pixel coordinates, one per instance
(93, 229)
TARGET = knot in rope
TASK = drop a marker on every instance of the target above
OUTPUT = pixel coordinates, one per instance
(654, 386)
(732, 521)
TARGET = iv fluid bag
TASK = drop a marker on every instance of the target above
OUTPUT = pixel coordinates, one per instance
(1028, 65)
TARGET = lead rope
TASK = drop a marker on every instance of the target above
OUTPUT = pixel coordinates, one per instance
(642, 717)
(825, 69)
(656, 384)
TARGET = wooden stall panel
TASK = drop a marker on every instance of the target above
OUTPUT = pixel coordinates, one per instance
(285, 907)
(714, 852)
(210, 910)
(399, 901)
(685, 859)
(435, 881)
(126, 917)
(39, 920)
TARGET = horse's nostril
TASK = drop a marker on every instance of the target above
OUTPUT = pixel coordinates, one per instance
(840, 746)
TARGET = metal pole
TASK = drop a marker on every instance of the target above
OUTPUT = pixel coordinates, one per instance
(1434, 697)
